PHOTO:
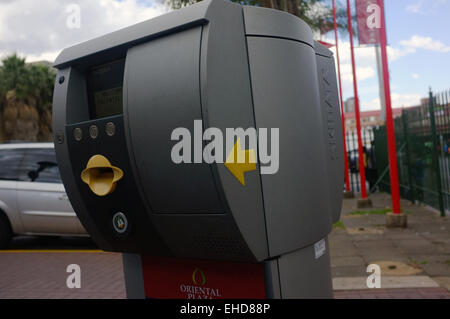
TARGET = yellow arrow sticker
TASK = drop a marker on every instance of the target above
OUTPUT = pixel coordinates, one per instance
(240, 161)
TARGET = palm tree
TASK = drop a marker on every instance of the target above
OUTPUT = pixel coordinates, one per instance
(26, 93)
(317, 13)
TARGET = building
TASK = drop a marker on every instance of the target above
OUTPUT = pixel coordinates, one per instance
(424, 101)
(368, 118)
(349, 105)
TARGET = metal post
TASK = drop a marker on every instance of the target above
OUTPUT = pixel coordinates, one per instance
(393, 169)
(408, 155)
(435, 155)
(362, 172)
(380, 81)
(347, 179)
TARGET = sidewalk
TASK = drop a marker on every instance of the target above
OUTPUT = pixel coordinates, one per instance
(415, 262)
(35, 275)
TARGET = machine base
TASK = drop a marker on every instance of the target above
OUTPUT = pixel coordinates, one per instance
(302, 274)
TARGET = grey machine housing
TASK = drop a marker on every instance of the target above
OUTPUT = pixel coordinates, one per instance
(231, 66)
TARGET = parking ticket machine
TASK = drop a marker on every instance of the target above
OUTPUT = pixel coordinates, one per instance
(142, 117)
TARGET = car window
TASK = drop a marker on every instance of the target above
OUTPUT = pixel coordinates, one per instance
(39, 165)
(10, 160)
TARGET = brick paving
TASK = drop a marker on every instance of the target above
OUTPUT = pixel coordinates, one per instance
(363, 239)
(43, 275)
(398, 293)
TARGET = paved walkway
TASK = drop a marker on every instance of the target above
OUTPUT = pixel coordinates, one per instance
(42, 274)
(421, 250)
(398, 293)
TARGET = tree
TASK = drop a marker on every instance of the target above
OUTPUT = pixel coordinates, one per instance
(26, 93)
(317, 13)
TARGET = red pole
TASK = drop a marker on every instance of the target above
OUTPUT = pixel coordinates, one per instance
(362, 172)
(347, 178)
(393, 171)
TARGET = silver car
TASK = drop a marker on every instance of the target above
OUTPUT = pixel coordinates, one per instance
(32, 198)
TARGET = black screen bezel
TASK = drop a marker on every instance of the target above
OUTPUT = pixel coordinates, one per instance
(91, 90)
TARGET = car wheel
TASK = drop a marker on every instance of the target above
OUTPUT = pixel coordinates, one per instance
(5, 231)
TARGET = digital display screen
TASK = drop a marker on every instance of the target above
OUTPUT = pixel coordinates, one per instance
(105, 89)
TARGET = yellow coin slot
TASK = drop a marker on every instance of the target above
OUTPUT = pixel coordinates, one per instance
(100, 175)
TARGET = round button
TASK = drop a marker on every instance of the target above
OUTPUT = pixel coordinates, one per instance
(59, 137)
(110, 129)
(120, 222)
(93, 131)
(78, 134)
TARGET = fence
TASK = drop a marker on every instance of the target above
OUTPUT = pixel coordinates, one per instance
(423, 140)
(367, 136)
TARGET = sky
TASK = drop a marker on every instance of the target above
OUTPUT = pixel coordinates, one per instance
(417, 30)
(418, 53)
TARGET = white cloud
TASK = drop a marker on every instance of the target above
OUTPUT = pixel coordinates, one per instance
(38, 29)
(425, 7)
(362, 73)
(365, 55)
(397, 53)
(426, 43)
(398, 100)
(44, 56)
(365, 58)
(370, 105)
(415, 7)
(368, 90)
(404, 100)
(415, 76)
